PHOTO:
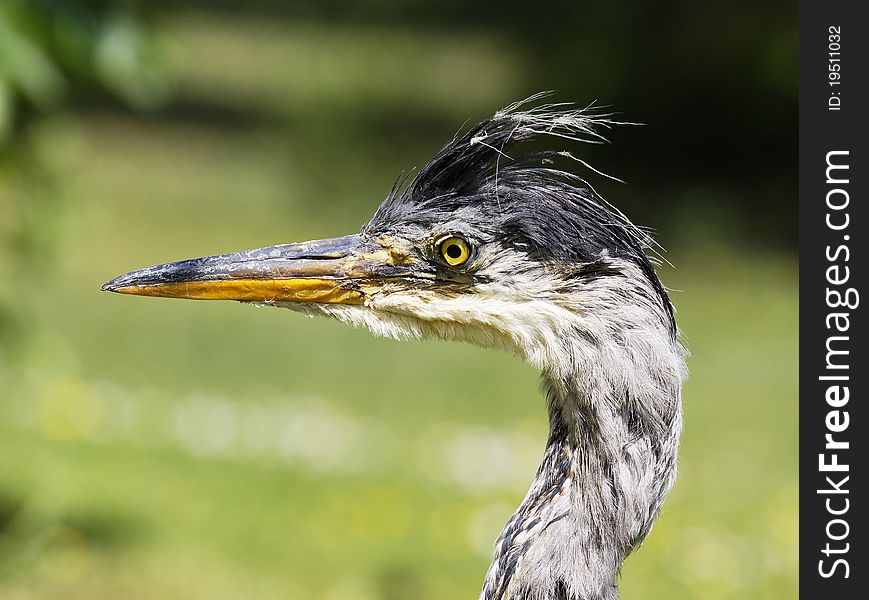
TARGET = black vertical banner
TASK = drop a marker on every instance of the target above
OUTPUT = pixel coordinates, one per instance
(834, 365)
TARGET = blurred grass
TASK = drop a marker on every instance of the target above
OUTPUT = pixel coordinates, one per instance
(207, 450)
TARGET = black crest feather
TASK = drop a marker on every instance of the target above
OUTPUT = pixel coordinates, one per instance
(528, 201)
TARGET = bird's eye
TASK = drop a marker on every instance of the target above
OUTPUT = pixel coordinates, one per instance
(455, 251)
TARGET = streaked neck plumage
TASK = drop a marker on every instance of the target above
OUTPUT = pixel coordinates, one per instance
(615, 418)
(612, 370)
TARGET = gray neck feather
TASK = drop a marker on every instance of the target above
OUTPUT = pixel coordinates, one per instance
(612, 371)
(615, 418)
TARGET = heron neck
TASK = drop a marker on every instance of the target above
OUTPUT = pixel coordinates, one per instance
(609, 461)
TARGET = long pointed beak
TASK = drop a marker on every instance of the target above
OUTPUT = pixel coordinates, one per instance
(339, 270)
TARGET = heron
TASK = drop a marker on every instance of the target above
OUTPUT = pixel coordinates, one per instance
(506, 246)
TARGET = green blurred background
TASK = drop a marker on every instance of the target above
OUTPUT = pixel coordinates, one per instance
(156, 449)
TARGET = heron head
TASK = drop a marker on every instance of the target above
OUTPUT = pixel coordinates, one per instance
(478, 246)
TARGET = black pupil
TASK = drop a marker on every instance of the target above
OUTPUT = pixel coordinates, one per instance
(454, 250)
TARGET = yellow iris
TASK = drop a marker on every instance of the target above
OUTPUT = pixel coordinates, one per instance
(455, 251)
